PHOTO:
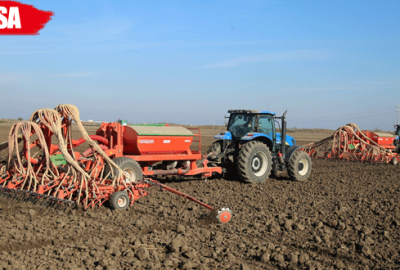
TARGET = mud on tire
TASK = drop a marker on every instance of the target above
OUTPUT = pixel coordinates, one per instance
(299, 167)
(254, 162)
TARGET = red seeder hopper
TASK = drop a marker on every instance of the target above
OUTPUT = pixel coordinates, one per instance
(108, 171)
(350, 143)
(158, 150)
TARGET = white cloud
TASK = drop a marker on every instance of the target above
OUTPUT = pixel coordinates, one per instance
(11, 77)
(24, 52)
(77, 75)
(270, 57)
(102, 29)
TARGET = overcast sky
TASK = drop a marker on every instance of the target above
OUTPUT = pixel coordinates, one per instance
(327, 62)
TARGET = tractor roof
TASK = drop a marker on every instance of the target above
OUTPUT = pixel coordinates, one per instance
(252, 112)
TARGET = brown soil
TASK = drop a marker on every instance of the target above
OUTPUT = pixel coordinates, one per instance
(345, 217)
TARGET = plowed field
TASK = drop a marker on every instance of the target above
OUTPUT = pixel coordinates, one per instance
(345, 217)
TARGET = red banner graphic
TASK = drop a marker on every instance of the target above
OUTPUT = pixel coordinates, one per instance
(21, 19)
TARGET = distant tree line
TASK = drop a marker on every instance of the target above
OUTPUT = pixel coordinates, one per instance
(8, 120)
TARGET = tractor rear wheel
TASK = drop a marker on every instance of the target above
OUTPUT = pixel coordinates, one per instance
(119, 200)
(131, 168)
(299, 167)
(254, 162)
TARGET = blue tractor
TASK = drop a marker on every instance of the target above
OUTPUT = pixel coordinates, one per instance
(252, 149)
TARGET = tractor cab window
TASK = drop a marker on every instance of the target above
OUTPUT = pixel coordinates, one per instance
(266, 125)
(398, 131)
(241, 124)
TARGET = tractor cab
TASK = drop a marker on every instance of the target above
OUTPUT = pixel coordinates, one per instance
(249, 125)
(242, 122)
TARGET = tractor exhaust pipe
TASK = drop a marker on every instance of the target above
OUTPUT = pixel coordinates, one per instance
(283, 139)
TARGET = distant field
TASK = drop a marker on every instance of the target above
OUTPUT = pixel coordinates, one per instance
(302, 136)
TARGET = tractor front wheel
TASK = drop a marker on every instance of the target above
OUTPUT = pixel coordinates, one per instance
(299, 167)
(119, 200)
(215, 148)
(254, 162)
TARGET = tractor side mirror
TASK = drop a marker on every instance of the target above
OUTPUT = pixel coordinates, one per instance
(225, 122)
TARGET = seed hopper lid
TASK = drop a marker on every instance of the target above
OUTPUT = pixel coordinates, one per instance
(161, 131)
(385, 134)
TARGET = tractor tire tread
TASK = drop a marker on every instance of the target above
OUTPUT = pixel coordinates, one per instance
(292, 167)
(215, 147)
(243, 162)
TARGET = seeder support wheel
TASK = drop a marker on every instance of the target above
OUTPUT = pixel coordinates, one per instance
(119, 200)
(394, 161)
